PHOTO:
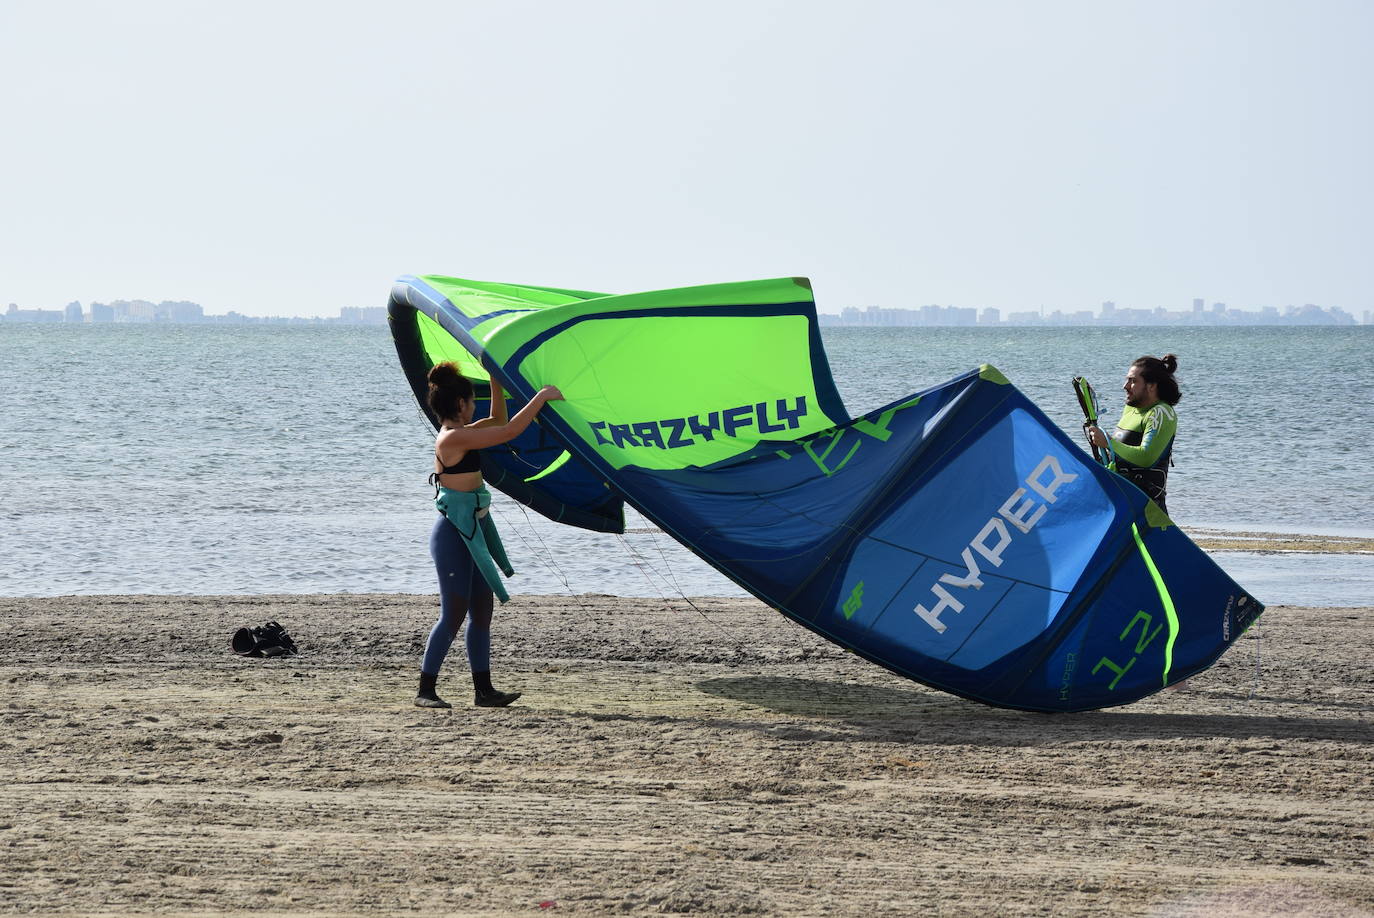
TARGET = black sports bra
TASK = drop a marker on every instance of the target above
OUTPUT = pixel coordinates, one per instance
(471, 462)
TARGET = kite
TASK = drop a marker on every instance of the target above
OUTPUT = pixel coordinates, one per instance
(956, 536)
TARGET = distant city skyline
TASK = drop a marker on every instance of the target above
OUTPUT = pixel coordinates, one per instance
(1218, 314)
(930, 315)
(177, 312)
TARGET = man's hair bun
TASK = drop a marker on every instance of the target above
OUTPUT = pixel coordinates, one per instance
(1159, 371)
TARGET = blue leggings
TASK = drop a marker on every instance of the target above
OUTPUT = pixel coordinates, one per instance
(463, 593)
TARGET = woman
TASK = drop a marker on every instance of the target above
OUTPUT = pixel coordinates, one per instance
(1143, 443)
(464, 543)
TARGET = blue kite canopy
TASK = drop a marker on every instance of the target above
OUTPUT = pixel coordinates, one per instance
(956, 536)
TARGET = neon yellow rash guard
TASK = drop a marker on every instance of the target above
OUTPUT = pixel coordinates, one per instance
(1142, 438)
(1143, 444)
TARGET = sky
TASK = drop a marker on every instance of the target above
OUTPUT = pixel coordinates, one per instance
(291, 158)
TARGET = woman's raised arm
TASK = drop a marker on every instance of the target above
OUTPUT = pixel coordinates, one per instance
(480, 437)
(498, 416)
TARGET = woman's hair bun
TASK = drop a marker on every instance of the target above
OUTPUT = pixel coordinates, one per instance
(447, 388)
(1170, 362)
(444, 374)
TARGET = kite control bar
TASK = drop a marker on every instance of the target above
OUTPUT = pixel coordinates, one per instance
(1087, 400)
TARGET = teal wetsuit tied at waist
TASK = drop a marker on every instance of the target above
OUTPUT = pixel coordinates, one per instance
(479, 534)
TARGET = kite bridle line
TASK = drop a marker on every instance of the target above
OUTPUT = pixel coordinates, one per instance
(634, 557)
(680, 591)
(643, 566)
(545, 556)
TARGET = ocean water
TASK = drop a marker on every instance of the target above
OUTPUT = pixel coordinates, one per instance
(189, 459)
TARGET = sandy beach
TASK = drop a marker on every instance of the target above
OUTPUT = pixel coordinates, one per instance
(667, 757)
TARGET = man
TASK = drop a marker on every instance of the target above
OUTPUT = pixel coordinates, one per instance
(1144, 438)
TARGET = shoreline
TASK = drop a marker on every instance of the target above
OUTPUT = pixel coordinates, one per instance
(1222, 540)
(667, 756)
(1326, 571)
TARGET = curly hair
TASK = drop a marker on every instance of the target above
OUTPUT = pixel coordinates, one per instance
(447, 390)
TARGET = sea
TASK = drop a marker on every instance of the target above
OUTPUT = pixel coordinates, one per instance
(266, 459)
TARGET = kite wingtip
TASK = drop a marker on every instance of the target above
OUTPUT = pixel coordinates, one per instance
(1156, 518)
(992, 374)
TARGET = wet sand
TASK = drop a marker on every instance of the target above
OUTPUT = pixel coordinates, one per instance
(1221, 540)
(667, 757)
